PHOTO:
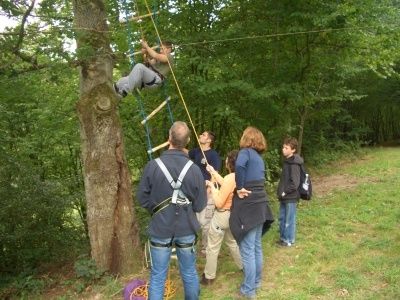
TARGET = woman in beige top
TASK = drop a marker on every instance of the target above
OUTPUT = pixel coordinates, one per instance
(219, 227)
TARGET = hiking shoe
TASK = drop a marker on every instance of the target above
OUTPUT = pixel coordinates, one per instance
(120, 94)
(206, 281)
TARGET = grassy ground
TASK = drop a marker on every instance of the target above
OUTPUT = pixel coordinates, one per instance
(347, 245)
(348, 240)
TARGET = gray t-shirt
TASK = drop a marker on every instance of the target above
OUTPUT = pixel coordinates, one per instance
(162, 67)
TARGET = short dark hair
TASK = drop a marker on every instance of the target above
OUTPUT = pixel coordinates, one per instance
(168, 44)
(211, 136)
(292, 142)
(179, 135)
(231, 160)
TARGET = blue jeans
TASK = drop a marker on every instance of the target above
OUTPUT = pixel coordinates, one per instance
(252, 258)
(287, 222)
(160, 257)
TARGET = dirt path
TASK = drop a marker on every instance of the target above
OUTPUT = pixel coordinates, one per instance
(326, 184)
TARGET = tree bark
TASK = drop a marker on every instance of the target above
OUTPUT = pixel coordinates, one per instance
(112, 226)
(303, 116)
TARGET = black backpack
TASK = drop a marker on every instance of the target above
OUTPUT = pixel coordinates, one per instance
(305, 187)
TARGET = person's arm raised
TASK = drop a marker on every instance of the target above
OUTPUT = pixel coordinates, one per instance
(214, 174)
(154, 54)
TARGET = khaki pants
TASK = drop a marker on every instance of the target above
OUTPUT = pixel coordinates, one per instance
(204, 218)
(219, 229)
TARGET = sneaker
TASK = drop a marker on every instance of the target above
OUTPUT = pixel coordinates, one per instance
(240, 296)
(281, 243)
(120, 94)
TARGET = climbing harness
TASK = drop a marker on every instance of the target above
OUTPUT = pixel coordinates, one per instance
(178, 197)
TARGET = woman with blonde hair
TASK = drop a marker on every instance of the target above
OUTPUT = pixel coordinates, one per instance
(251, 215)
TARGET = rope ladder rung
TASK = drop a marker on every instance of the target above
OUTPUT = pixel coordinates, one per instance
(158, 147)
(138, 18)
(149, 116)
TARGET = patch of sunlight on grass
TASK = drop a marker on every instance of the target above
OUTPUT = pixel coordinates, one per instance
(317, 290)
(376, 262)
(392, 274)
(346, 278)
(283, 294)
(375, 244)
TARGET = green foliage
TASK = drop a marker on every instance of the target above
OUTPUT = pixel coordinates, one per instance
(337, 89)
(24, 286)
(274, 165)
(86, 269)
(297, 85)
(40, 180)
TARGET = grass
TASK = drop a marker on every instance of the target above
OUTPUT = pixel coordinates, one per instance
(348, 241)
(347, 244)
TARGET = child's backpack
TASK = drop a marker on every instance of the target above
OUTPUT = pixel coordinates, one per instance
(305, 187)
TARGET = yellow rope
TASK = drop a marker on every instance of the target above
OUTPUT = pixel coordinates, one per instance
(143, 290)
(170, 289)
(176, 82)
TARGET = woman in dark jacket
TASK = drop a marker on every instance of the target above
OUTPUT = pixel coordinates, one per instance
(250, 210)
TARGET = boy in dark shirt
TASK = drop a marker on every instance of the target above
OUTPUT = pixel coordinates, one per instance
(287, 192)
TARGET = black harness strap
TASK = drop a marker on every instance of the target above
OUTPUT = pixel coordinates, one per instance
(161, 206)
(162, 77)
(178, 245)
(187, 245)
(159, 245)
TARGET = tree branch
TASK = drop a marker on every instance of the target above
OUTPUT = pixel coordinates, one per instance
(17, 48)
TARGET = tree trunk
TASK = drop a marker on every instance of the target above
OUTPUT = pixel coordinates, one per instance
(112, 225)
(303, 116)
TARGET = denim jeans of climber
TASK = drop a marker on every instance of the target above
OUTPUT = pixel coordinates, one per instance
(160, 257)
(287, 222)
(252, 258)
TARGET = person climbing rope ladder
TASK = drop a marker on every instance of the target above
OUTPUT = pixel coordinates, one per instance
(151, 74)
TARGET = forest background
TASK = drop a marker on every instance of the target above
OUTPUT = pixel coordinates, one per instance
(324, 72)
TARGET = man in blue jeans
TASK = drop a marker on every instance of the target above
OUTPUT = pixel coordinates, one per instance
(287, 192)
(172, 189)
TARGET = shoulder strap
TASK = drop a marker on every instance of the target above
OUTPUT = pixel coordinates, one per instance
(176, 185)
(301, 167)
(165, 171)
(183, 174)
